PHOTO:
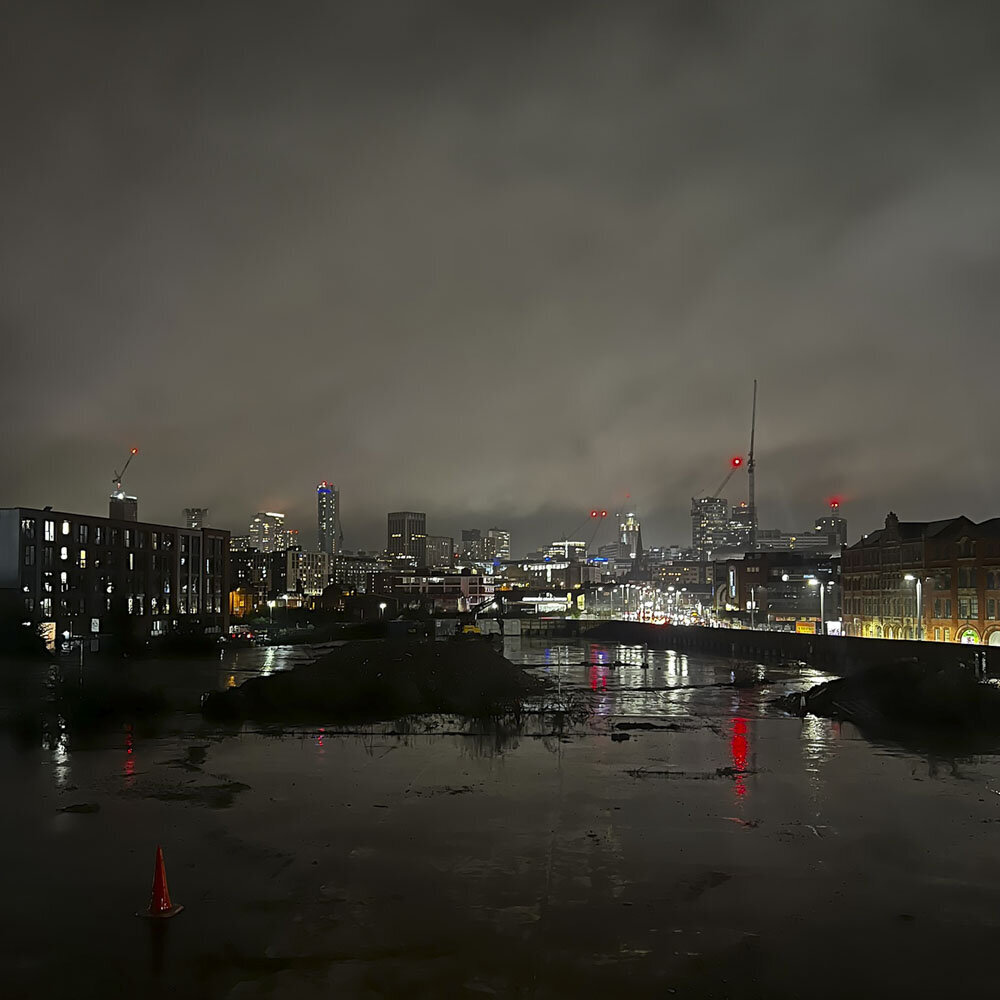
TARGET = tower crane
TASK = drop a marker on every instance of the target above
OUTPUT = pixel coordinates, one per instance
(119, 476)
(751, 465)
(736, 462)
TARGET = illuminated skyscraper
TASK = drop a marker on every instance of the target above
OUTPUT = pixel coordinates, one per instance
(328, 515)
(268, 532)
(630, 535)
(497, 544)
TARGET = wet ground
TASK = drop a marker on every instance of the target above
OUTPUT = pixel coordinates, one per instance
(684, 839)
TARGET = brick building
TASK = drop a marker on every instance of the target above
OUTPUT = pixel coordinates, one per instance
(955, 561)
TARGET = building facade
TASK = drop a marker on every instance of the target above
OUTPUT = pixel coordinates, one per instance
(195, 517)
(955, 562)
(78, 575)
(268, 532)
(440, 550)
(407, 535)
(497, 545)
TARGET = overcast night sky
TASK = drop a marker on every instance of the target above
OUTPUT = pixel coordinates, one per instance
(501, 262)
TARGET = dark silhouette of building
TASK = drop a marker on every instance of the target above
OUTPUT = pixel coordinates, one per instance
(407, 535)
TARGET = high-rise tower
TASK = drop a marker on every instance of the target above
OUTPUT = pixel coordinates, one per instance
(328, 518)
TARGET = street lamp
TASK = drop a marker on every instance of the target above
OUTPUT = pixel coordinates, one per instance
(381, 609)
(910, 578)
(270, 609)
(813, 582)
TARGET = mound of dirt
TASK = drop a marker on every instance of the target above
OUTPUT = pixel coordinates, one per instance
(904, 693)
(380, 680)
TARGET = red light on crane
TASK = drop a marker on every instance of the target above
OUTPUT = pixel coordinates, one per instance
(604, 513)
(593, 513)
(736, 461)
(135, 451)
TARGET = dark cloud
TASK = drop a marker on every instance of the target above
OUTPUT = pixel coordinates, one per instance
(501, 262)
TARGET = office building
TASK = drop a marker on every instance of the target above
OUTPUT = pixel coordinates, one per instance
(709, 525)
(440, 550)
(497, 545)
(328, 518)
(407, 535)
(77, 575)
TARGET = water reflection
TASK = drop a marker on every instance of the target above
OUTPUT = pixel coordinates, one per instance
(739, 746)
(129, 756)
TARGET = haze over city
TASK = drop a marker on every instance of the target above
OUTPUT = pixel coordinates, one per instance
(501, 264)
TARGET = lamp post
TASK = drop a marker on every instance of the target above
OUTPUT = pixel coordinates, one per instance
(270, 610)
(910, 578)
(813, 582)
(381, 610)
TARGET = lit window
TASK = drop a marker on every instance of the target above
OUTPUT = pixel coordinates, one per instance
(50, 531)
(83, 559)
(64, 553)
(65, 527)
(131, 560)
(64, 578)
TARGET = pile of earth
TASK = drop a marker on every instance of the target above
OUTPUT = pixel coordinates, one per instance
(902, 694)
(380, 680)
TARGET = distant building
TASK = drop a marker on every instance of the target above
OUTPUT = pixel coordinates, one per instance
(239, 543)
(352, 572)
(834, 528)
(497, 545)
(472, 545)
(249, 580)
(440, 551)
(437, 591)
(709, 525)
(328, 518)
(776, 589)
(775, 540)
(567, 549)
(195, 517)
(307, 572)
(630, 534)
(268, 532)
(77, 575)
(957, 565)
(407, 535)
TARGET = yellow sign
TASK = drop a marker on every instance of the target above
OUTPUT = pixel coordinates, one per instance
(809, 627)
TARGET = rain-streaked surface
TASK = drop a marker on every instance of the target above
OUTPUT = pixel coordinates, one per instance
(721, 849)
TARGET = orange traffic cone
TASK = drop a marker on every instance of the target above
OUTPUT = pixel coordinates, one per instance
(159, 903)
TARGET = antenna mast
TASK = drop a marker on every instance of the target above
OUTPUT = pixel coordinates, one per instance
(750, 472)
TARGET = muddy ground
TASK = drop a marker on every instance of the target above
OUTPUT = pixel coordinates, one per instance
(723, 849)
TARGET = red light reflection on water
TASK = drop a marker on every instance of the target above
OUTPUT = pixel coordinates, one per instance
(129, 755)
(598, 677)
(739, 746)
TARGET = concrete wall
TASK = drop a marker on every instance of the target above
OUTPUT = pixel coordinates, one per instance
(836, 654)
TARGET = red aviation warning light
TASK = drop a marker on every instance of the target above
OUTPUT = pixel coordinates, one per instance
(593, 513)
(604, 513)
(736, 461)
(834, 503)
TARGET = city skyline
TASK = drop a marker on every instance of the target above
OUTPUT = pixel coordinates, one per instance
(587, 229)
